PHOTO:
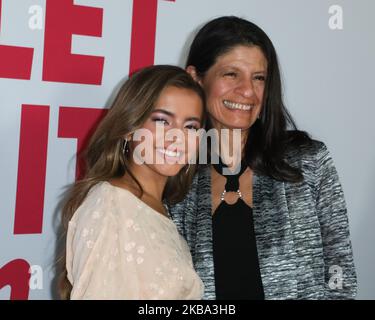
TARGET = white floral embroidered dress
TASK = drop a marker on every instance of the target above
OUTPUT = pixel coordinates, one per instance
(120, 248)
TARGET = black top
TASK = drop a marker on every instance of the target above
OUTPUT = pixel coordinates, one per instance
(237, 274)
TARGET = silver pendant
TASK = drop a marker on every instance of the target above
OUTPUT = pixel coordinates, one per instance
(225, 191)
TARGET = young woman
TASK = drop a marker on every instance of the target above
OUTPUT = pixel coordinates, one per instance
(121, 242)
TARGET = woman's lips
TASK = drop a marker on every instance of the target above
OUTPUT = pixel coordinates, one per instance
(238, 106)
(169, 155)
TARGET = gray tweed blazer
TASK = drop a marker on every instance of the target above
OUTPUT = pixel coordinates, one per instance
(301, 229)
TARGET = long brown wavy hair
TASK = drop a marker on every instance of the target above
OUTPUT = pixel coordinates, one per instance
(104, 155)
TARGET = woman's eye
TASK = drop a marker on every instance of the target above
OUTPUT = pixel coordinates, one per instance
(192, 127)
(230, 74)
(161, 121)
(260, 78)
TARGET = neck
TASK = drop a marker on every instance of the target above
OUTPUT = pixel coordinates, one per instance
(231, 150)
(152, 183)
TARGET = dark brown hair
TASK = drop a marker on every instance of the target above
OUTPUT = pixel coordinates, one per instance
(269, 137)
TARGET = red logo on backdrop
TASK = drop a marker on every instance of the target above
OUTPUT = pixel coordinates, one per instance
(60, 65)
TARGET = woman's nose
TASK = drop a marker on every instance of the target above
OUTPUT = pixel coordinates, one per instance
(246, 88)
(179, 138)
(176, 135)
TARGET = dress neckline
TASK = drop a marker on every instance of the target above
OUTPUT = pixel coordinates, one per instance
(144, 204)
(232, 183)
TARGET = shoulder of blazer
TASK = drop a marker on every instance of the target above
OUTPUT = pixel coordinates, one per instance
(313, 160)
(308, 153)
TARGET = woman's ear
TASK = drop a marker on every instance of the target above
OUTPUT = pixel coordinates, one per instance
(193, 72)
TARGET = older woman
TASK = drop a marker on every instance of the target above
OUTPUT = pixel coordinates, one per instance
(278, 229)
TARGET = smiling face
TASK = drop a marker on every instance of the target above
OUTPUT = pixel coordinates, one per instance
(180, 111)
(234, 87)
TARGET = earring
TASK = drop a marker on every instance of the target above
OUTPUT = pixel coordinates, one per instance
(124, 149)
(188, 168)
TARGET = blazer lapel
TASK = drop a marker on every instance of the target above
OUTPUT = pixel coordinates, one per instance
(204, 262)
(276, 250)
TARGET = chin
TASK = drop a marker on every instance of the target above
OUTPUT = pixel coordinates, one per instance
(243, 125)
(168, 170)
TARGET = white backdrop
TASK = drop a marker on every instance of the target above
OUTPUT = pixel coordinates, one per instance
(326, 50)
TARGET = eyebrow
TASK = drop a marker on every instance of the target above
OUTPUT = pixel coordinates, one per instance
(256, 72)
(239, 69)
(163, 111)
(170, 114)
